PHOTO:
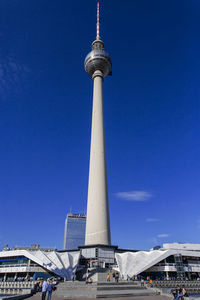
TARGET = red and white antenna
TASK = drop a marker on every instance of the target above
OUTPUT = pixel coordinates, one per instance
(98, 32)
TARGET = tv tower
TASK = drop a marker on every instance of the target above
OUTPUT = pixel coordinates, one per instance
(98, 65)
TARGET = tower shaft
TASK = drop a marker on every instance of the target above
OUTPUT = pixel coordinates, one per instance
(98, 223)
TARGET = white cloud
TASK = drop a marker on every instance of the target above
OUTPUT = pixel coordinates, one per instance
(138, 196)
(149, 220)
(163, 235)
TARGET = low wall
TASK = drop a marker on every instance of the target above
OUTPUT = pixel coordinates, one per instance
(17, 288)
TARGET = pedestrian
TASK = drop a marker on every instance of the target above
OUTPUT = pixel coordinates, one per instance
(179, 293)
(37, 287)
(40, 286)
(73, 277)
(142, 282)
(117, 277)
(50, 289)
(113, 275)
(87, 277)
(174, 293)
(44, 289)
(185, 294)
(90, 280)
(108, 277)
(151, 283)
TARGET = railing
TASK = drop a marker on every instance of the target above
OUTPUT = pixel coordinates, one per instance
(184, 264)
(17, 265)
(13, 265)
(166, 264)
(193, 262)
(190, 266)
(20, 268)
(27, 285)
(174, 283)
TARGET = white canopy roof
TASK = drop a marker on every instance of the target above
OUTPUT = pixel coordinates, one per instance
(63, 264)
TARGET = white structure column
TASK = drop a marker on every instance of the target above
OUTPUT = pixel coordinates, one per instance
(98, 223)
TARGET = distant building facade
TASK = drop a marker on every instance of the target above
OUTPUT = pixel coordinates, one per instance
(74, 234)
(172, 261)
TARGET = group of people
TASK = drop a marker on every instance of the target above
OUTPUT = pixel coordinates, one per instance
(115, 277)
(47, 288)
(179, 293)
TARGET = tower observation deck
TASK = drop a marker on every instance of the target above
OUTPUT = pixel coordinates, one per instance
(98, 65)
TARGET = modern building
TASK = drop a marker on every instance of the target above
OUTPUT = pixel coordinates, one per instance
(74, 234)
(17, 263)
(178, 261)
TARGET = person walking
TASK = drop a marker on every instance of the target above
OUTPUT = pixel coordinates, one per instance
(179, 293)
(142, 282)
(116, 277)
(174, 293)
(185, 294)
(108, 277)
(44, 289)
(87, 277)
(50, 289)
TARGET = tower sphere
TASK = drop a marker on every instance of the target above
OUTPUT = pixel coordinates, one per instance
(98, 59)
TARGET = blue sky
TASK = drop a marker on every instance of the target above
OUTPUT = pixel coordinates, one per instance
(152, 119)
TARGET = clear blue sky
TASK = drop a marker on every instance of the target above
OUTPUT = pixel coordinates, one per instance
(152, 119)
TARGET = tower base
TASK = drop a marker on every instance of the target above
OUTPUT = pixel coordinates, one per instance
(97, 261)
(98, 256)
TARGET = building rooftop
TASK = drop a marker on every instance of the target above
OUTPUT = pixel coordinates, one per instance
(30, 248)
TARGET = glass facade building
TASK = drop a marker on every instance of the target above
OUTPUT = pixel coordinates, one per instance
(74, 235)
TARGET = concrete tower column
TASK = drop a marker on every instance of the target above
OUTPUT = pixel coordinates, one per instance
(98, 65)
(98, 224)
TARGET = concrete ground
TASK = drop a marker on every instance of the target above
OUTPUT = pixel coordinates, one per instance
(54, 297)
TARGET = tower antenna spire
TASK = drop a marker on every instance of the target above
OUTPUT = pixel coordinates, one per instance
(98, 31)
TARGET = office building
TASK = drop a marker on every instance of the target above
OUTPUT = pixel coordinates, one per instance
(74, 234)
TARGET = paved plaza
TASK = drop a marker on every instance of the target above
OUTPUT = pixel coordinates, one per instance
(157, 297)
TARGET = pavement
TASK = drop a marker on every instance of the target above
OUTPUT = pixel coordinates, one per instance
(156, 297)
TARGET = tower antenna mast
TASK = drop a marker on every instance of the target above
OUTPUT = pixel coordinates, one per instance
(98, 25)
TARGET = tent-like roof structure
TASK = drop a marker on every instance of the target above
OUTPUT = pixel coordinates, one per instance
(63, 264)
(134, 263)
